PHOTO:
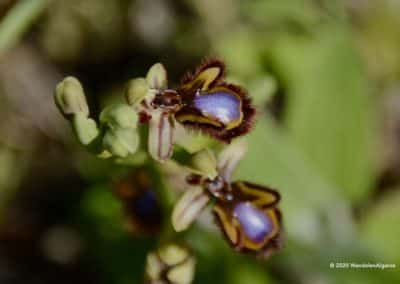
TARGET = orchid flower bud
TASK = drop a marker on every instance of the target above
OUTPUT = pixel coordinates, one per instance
(171, 263)
(84, 128)
(70, 98)
(120, 123)
(71, 101)
(121, 142)
(119, 116)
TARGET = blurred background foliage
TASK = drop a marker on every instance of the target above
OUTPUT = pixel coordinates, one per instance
(325, 76)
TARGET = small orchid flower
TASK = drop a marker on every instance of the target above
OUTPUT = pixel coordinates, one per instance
(203, 102)
(246, 213)
(155, 105)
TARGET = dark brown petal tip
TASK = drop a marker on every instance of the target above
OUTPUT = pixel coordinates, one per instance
(206, 75)
(259, 195)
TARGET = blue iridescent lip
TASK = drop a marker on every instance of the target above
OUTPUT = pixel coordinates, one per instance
(222, 106)
(254, 222)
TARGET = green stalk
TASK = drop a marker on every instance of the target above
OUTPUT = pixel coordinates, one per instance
(18, 20)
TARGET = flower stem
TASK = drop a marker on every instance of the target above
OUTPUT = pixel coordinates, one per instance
(18, 20)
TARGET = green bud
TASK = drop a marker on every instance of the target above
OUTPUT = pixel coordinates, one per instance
(85, 128)
(136, 91)
(70, 98)
(119, 116)
(171, 263)
(121, 142)
(157, 76)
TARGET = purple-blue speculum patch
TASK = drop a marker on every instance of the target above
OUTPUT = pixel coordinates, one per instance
(222, 106)
(254, 222)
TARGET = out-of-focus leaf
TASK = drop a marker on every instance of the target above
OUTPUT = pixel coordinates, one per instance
(119, 256)
(380, 229)
(246, 272)
(329, 111)
(241, 52)
(12, 170)
(18, 21)
(100, 204)
(278, 12)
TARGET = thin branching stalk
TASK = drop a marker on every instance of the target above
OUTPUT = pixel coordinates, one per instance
(18, 20)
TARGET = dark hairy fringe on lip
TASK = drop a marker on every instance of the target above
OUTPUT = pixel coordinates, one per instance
(206, 63)
(219, 133)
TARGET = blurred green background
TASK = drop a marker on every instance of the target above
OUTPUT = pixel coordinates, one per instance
(325, 76)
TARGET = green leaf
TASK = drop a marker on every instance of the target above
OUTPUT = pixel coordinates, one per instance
(329, 111)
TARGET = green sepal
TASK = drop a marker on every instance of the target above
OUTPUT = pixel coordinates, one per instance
(157, 77)
(136, 91)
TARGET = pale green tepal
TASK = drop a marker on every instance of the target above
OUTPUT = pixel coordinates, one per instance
(136, 91)
(144, 89)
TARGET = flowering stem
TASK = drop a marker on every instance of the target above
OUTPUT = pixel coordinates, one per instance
(18, 20)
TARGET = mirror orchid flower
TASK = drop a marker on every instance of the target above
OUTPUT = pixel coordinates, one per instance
(202, 102)
(246, 213)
